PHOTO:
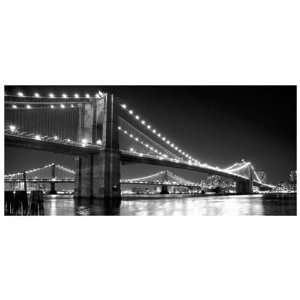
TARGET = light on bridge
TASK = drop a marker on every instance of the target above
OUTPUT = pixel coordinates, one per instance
(101, 95)
(87, 95)
(37, 137)
(62, 106)
(52, 106)
(137, 117)
(14, 106)
(51, 95)
(20, 94)
(36, 95)
(72, 105)
(143, 122)
(65, 96)
(12, 128)
(131, 112)
(84, 141)
(131, 150)
(99, 142)
(55, 137)
(124, 106)
(76, 96)
(28, 106)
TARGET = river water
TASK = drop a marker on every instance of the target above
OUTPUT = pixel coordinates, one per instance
(235, 205)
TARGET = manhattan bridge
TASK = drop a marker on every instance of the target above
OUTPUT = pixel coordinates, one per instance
(101, 132)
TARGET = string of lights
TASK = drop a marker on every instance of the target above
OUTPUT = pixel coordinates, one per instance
(157, 133)
(138, 140)
(65, 169)
(146, 177)
(245, 165)
(53, 96)
(29, 171)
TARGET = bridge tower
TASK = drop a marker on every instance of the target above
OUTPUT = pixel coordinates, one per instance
(246, 186)
(164, 187)
(98, 176)
(52, 184)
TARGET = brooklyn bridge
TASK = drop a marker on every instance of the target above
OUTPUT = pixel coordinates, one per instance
(102, 133)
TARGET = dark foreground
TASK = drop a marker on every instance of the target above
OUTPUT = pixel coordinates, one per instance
(235, 205)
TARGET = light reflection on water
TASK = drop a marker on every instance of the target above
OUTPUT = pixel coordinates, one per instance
(168, 206)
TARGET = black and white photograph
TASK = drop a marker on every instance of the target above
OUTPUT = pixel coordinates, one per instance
(150, 150)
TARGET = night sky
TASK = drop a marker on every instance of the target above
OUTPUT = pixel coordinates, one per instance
(217, 125)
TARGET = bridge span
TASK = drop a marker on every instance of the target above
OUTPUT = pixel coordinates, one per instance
(92, 136)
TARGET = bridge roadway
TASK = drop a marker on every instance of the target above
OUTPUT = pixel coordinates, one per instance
(75, 148)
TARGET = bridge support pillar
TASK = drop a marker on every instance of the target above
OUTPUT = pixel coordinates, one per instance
(52, 184)
(52, 189)
(98, 176)
(244, 187)
(164, 190)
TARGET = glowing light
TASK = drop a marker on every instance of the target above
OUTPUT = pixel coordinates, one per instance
(52, 106)
(141, 154)
(143, 122)
(28, 106)
(124, 106)
(84, 141)
(76, 96)
(12, 128)
(149, 127)
(168, 142)
(163, 138)
(36, 95)
(131, 150)
(99, 142)
(20, 94)
(101, 94)
(119, 127)
(64, 95)
(55, 137)
(131, 112)
(137, 117)
(37, 137)
(131, 135)
(154, 131)
(68, 140)
(51, 95)
(158, 134)
(14, 106)
(87, 95)
(62, 106)
(72, 106)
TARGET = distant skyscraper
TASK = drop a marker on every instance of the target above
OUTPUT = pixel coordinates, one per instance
(293, 176)
(262, 176)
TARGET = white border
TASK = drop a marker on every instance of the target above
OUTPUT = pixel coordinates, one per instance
(133, 42)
